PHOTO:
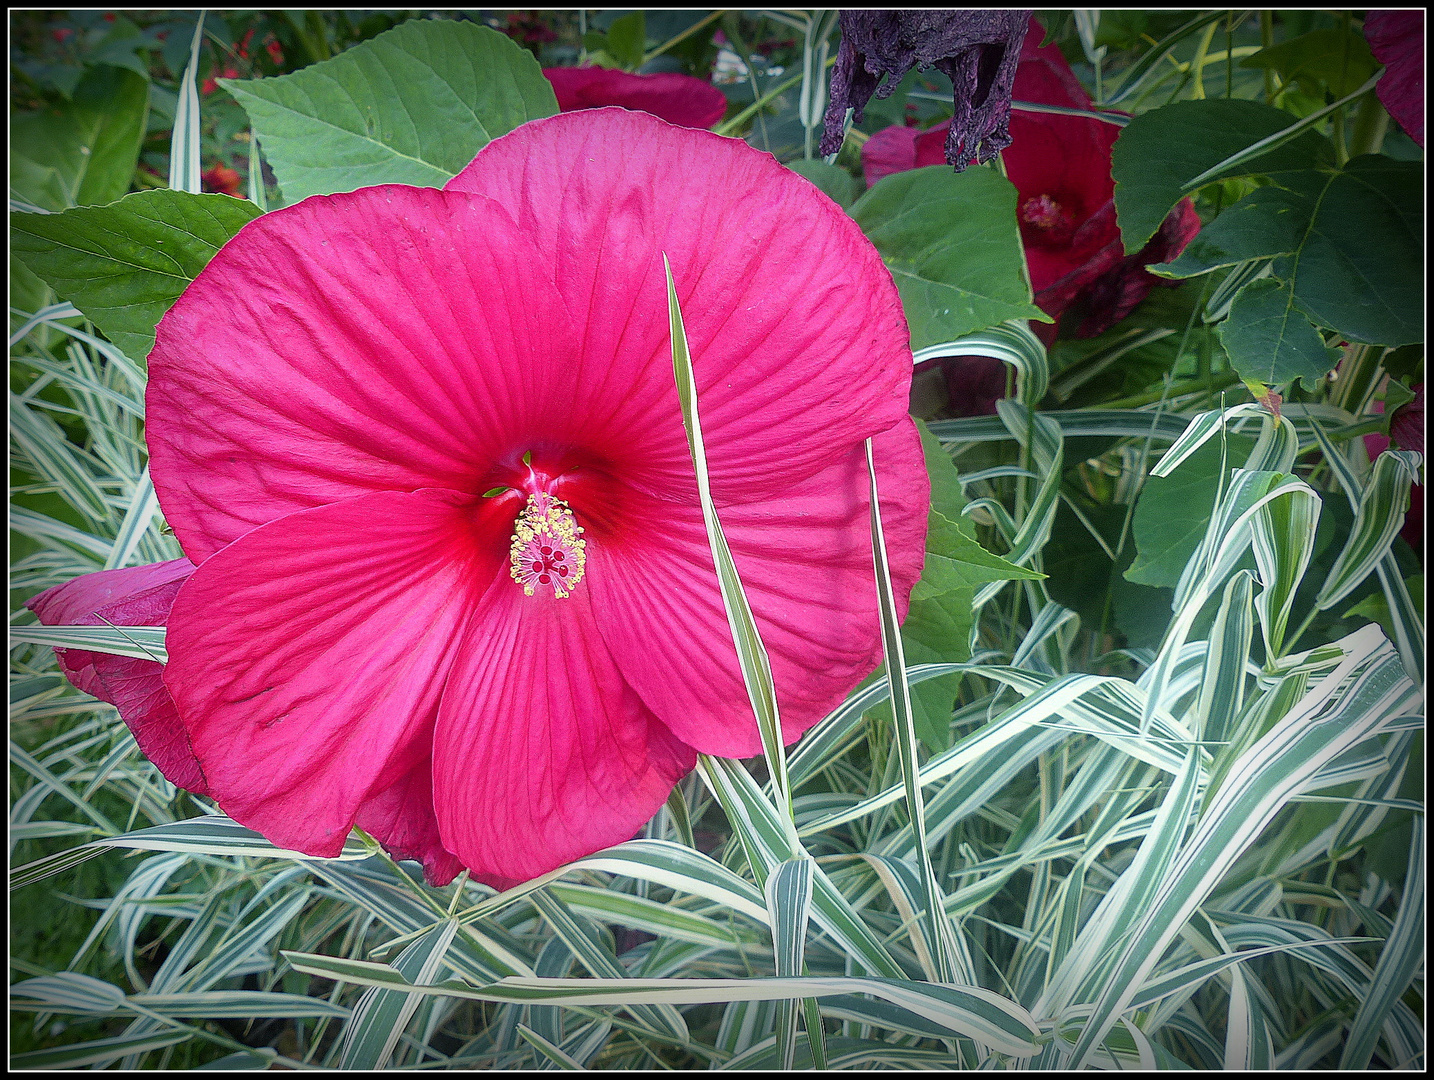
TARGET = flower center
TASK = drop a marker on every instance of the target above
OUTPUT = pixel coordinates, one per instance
(1046, 214)
(548, 548)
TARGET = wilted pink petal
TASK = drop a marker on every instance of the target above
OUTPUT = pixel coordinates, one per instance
(308, 657)
(543, 753)
(128, 596)
(765, 274)
(1406, 426)
(671, 96)
(821, 629)
(1396, 38)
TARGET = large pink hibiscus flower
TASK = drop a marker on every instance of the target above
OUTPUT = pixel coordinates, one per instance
(677, 98)
(425, 450)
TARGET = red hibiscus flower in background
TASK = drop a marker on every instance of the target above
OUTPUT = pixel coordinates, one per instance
(1406, 432)
(1396, 38)
(425, 450)
(1060, 166)
(678, 99)
(221, 178)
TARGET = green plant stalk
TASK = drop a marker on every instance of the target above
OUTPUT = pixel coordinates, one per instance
(1358, 375)
(1197, 65)
(1371, 124)
(729, 126)
(1191, 386)
(679, 38)
(1267, 39)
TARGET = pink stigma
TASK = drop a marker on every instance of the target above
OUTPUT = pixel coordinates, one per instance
(548, 548)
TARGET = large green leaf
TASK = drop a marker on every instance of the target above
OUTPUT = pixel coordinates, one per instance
(1158, 152)
(411, 106)
(124, 264)
(1349, 243)
(1269, 339)
(1339, 59)
(1173, 512)
(951, 242)
(83, 152)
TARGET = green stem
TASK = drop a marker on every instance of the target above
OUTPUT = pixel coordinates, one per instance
(1267, 39)
(742, 117)
(1190, 386)
(682, 36)
(1371, 124)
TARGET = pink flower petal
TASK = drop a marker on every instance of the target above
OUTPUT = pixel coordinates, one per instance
(390, 338)
(401, 818)
(890, 150)
(307, 658)
(1397, 40)
(543, 753)
(795, 326)
(804, 558)
(678, 99)
(129, 596)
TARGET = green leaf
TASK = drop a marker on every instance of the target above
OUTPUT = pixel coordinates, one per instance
(1375, 607)
(1348, 242)
(951, 242)
(627, 39)
(1337, 59)
(1268, 338)
(410, 106)
(84, 152)
(1158, 152)
(835, 183)
(125, 264)
(1173, 511)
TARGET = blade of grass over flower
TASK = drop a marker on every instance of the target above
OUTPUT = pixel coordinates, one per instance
(381, 1016)
(184, 144)
(941, 939)
(141, 642)
(751, 653)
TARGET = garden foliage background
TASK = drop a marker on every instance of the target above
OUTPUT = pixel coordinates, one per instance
(1151, 789)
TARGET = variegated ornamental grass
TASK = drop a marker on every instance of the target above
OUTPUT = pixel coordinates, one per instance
(1157, 857)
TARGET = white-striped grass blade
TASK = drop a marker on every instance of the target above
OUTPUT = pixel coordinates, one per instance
(1043, 441)
(1199, 430)
(751, 653)
(144, 504)
(661, 920)
(57, 535)
(963, 1010)
(1116, 423)
(57, 459)
(1282, 537)
(944, 950)
(1408, 624)
(1222, 680)
(556, 1054)
(63, 310)
(1218, 306)
(141, 642)
(789, 899)
(661, 1019)
(381, 1016)
(184, 143)
(131, 371)
(256, 174)
(1336, 714)
(1383, 502)
(1013, 343)
(753, 817)
(1398, 964)
(99, 1051)
(75, 993)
